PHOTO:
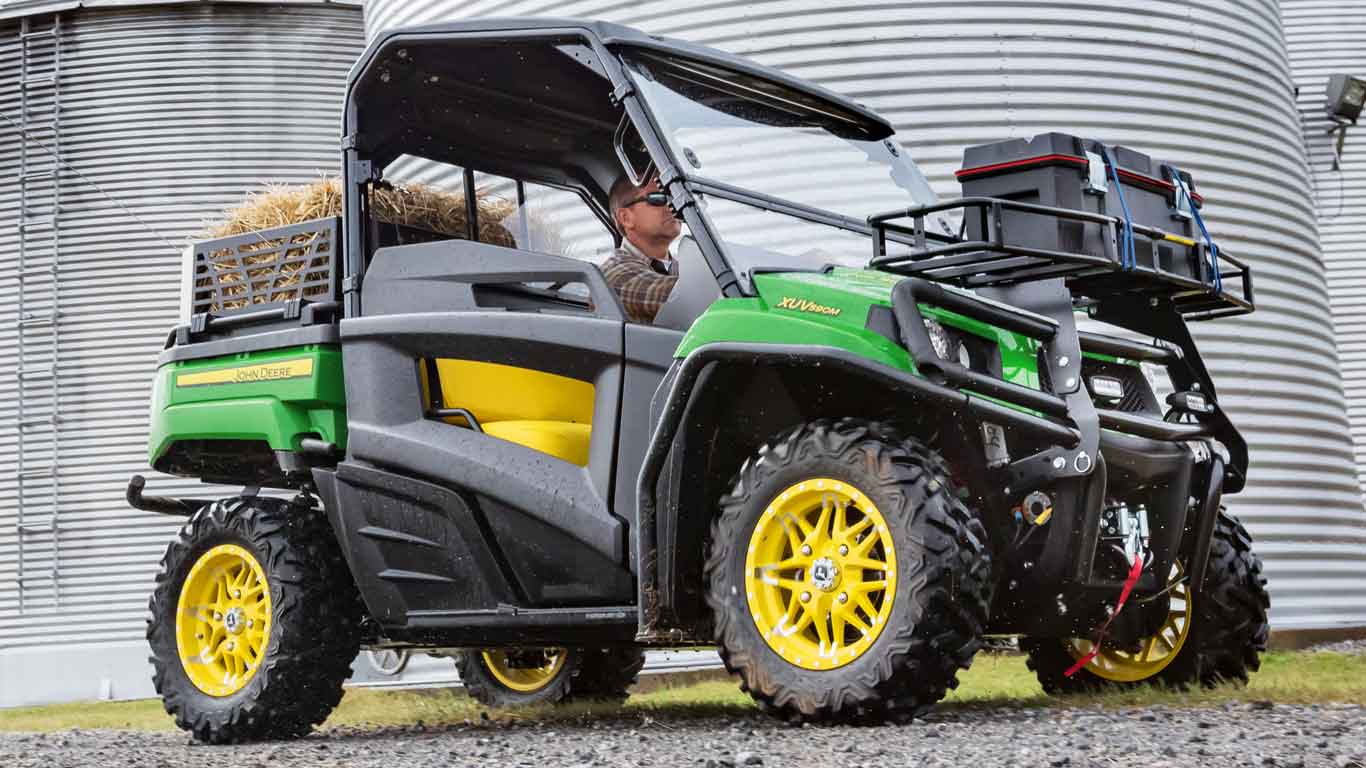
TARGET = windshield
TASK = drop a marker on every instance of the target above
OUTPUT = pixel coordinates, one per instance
(766, 138)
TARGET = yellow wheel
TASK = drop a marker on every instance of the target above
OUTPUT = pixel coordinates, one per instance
(820, 573)
(1209, 639)
(846, 578)
(223, 620)
(254, 621)
(519, 677)
(1151, 655)
(525, 671)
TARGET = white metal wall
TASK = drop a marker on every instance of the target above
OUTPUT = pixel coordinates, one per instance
(1203, 83)
(1327, 37)
(168, 114)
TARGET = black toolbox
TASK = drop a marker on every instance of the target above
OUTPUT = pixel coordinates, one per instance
(1056, 169)
(1110, 220)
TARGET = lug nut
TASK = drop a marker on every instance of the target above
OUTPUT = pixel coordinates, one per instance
(237, 593)
(844, 597)
(844, 549)
(806, 549)
(806, 596)
(1063, 361)
(251, 623)
(217, 616)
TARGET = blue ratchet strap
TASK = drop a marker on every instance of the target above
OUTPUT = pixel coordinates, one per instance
(1200, 222)
(1127, 258)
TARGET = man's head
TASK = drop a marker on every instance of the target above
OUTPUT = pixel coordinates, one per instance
(652, 228)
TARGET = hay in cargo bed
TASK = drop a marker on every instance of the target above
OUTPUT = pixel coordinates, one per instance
(263, 269)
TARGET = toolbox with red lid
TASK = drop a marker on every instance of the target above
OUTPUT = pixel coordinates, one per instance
(1114, 223)
(1056, 169)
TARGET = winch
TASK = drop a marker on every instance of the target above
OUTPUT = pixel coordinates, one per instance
(1125, 528)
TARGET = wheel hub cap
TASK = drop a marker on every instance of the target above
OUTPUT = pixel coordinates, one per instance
(825, 575)
(820, 574)
(234, 622)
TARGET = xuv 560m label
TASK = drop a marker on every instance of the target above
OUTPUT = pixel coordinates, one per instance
(301, 368)
(802, 305)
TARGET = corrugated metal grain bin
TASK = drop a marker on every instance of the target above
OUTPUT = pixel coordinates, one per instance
(1325, 38)
(162, 116)
(1203, 83)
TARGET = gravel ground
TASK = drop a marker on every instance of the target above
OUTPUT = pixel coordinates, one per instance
(1344, 646)
(1258, 734)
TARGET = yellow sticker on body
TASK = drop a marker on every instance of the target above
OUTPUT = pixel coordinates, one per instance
(802, 305)
(300, 368)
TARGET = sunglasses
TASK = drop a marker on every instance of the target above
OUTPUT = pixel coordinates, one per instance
(657, 199)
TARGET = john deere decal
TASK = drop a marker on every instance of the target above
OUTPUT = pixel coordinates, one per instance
(247, 374)
(802, 305)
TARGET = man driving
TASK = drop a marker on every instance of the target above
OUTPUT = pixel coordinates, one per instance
(642, 271)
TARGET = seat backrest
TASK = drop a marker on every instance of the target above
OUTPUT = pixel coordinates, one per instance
(495, 392)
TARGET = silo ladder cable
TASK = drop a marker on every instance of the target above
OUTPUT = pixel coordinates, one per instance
(68, 166)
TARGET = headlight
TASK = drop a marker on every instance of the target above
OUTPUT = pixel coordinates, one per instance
(948, 344)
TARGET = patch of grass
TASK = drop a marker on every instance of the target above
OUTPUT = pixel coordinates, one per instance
(994, 680)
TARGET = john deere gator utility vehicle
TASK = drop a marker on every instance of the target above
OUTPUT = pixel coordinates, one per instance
(863, 433)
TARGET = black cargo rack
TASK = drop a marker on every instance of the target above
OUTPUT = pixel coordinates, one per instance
(282, 276)
(1202, 291)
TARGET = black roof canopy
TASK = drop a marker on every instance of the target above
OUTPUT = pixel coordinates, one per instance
(520, 95)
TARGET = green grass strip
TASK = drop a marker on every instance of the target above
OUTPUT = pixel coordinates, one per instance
(994, 681)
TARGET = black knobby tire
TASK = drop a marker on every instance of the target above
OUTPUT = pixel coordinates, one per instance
(483, 686)
(1227, 638)
(314, 634)
(943, 579)
(607, 673)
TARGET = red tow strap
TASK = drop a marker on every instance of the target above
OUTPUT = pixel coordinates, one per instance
(1129, 583)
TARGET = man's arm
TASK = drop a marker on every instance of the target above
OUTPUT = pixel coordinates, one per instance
(641, 289)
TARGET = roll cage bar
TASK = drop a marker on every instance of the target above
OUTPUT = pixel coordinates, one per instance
(363, 154)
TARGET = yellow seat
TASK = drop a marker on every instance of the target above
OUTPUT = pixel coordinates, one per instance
(542, 411)
(561, 439)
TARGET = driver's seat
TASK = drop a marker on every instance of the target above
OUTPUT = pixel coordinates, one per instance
(543, 411)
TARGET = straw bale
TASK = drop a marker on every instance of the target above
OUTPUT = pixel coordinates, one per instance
(273, 273)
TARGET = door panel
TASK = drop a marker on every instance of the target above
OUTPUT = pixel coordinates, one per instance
(541, 381)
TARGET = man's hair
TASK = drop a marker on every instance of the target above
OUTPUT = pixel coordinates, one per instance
(622, 191)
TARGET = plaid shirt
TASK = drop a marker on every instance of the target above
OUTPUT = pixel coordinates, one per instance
(642, 283)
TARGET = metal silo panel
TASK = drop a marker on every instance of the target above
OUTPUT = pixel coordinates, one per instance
(1324, 38)
(168, 115)
(1203, 83)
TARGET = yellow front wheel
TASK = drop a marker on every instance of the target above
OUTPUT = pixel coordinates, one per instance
(1147, 658)
(846, 577)
(820, 573)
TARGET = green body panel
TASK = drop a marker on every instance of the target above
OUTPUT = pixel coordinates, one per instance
(835, 314)
(278, 411)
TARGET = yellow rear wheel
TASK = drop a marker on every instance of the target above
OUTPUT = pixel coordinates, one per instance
(525, 671)
(223, 620)
(820, 573)
(254, 621)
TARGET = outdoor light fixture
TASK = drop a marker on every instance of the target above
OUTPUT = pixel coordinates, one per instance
(1346, 96)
